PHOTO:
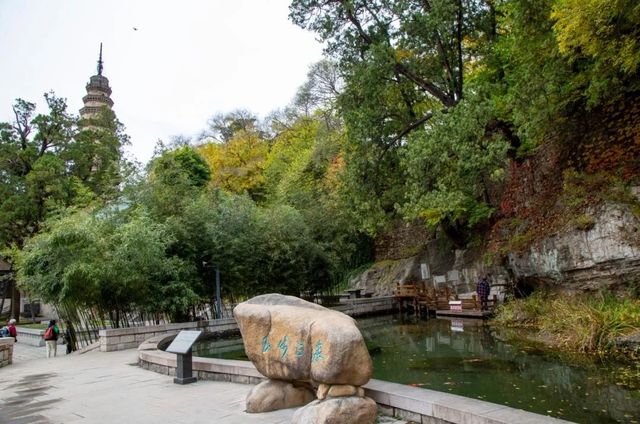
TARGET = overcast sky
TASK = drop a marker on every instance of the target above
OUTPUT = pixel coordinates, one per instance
(186, 61)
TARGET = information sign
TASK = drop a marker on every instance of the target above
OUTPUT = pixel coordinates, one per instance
(439, 279)
(453, 275)
(183, 341)
(455, 305)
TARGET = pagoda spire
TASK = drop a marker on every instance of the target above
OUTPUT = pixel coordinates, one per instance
(100, 66)
(98, 93)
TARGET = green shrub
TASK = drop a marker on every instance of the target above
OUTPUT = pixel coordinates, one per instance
(584, 222)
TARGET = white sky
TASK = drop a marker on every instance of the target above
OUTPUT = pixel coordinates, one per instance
(187, 60)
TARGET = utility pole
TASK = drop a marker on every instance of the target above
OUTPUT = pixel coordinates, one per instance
(218, 300)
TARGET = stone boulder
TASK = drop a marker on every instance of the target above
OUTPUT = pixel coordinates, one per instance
(339, 410)
(290, 339)
(271, 395)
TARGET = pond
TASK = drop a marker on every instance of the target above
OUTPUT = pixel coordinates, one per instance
(471, 358)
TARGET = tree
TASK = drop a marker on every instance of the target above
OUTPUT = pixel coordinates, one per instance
(221, 127)
(173, 178)
(604, 33)
(96, 153)
(237, 165)
(109, 263)
(301, 172)
(48, 163)
(450, 168)
(320, 91)
(34, 176)
(401, 62)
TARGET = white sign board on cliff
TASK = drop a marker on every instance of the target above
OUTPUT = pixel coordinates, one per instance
(424, 271)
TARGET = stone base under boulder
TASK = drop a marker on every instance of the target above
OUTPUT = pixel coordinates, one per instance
(271, 395)
(339, 410)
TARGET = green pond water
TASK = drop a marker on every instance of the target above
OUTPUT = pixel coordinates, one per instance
(470, 358)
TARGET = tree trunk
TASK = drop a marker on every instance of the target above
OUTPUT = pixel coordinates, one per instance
(15, 302)
(3, 290)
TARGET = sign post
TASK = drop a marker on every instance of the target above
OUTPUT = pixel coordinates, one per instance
(181, 346)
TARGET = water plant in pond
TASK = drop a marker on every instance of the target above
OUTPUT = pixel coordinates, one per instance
(589, 324)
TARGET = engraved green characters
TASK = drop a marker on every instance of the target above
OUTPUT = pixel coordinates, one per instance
(317, 352)
(266, 346)
(283, 345)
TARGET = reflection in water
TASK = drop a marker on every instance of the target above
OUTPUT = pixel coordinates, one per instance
(465, 357)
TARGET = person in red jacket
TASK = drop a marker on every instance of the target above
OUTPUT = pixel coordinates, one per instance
(13, 332)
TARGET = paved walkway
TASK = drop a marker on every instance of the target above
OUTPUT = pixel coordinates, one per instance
(99, 387)
(23, 352)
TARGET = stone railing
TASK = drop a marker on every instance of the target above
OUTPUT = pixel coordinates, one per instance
(129, 338)
(397, 400)
(32, 336)
(6, 351)
(132, 337)
(365, 306)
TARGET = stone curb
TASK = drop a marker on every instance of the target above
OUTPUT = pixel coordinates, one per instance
(397, 400)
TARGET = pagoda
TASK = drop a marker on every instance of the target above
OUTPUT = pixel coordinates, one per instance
(98, 92)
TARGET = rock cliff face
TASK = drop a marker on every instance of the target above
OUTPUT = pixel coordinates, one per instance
(606, 255)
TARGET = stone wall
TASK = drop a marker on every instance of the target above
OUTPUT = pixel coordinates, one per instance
(6, 351)
(32, 336)
(361, 307)
(132, 337)
(129, 338)
(397, 400)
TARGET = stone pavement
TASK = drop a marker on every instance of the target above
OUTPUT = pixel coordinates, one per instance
(109, 387)
(24, 352)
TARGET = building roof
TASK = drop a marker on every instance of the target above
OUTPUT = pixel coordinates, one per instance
(4, 266)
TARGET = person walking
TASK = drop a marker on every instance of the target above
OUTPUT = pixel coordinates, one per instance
(51, 338)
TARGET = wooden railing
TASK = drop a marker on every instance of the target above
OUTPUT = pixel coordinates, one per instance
(434, 299)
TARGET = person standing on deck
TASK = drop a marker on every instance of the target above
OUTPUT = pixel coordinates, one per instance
(482, 289)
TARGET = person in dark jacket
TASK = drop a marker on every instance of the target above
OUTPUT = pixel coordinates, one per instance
(482, 289)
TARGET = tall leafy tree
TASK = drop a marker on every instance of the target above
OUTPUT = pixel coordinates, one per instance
(111, 263)
(96, 153)
(35, 180)
(48, 163)
(401, 62)
(237, 165)
(221, 127)
(174, 177)
(606, 34)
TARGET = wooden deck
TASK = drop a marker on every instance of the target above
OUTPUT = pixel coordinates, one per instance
(465, 313)
(424, 300)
